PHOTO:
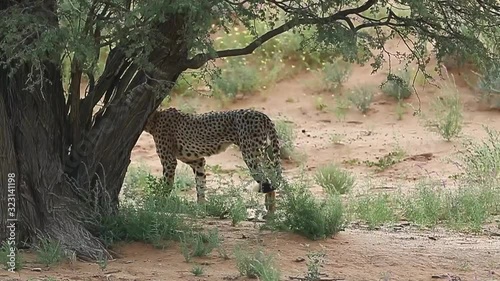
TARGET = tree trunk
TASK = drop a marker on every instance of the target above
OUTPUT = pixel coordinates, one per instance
(64, 185)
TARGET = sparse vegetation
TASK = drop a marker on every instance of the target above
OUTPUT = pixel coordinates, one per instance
(447, 116)
(197, 270)
(489, 85)
(314, 263)
(320, 104)
(236, 77)
(361, 97)
(156, 220)
(427, 205)
(400, 110)
(335, 74)
(388, 160)
(226, 202)
(336, 138)
(398, 85)
(199, 243)
(287, 137)
(481, 161)
(5, 257)
(374, 209)
(256, 264)
(302, 213)
(49, 252)
(341, 108)
(334, 179)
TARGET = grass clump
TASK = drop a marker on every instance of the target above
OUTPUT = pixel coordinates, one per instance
(469, 208)
(256, 264)
(10, 259)
(314, 263)
(387, 161)
(49, 252)
(300, 212)
(184, 179)
(489, 86)
(197, 270)
(481, 161)
(199, 244)
(398, 86)
(375, 210)
(135, 181)
(447, 116)
(320, 104)
(140, 183)
(335, 74)
(466, 208)
(341, 108)
(427, 206)
(236, 77)
(361, 97)
(155, 220)
(228, 203)
(334, 179)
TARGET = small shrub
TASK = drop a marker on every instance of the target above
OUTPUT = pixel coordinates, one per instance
(184, 179)
(361, 97)
(155, 220)
(489, 85)
(341, 108)
(320, 104)
(197, 270)
(447, 114)
(335, 74)
(227, 203)
(199, 244)
(334, 179)
(300, 212)
(374, 209)
(256, 264)
(237, 77)
(387, 160)
(481, 162)
(238, 212)
(398, 85)
(49, 252)
(426, 206)
(102, 261)
(135, 181)
(469, 208)
(400, 110)
(287, 136)
(314, 263)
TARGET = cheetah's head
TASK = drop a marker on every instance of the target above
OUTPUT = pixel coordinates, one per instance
(151, 122)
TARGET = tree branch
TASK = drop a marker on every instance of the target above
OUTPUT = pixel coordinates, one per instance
(200, 59)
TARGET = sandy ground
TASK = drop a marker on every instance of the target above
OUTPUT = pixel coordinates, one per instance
(393, 253)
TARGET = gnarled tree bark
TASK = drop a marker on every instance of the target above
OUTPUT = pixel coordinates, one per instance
(66, 179)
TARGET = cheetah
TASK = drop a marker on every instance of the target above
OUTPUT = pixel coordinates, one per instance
(192, 137)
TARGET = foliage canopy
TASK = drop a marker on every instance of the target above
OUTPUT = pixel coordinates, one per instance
(466, 29)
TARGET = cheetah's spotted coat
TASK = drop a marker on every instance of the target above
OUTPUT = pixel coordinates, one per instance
(192, 137)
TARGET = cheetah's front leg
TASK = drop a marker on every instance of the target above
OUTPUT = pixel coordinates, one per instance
(198, 167)
(169, 163)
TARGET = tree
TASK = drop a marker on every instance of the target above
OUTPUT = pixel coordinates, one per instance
(69, 148)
